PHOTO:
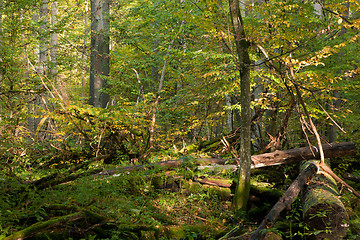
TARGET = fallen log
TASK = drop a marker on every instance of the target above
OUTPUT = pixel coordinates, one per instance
(284, 202)
(69, 175)
(323, 211)
(258, 161)
(224, 183)
(304, 153)
(87, 216)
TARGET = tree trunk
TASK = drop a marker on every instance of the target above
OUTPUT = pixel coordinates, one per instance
(242, 45)
(43, 54)
(335, 105)
(41, 68)
(323, 211)
(1, 51)
(335, 108)
(85, 46)
(229, 113)
(99, 57)
(53, 40)
(88, 217)
(61, 91)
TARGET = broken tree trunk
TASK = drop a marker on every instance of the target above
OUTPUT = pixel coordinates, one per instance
(284, 202)
(323, 211)
(261, 160)
(304, 153)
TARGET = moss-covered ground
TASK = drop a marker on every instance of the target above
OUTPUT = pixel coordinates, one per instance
(157, 204)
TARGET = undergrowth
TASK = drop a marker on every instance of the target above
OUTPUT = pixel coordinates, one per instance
(155, 204)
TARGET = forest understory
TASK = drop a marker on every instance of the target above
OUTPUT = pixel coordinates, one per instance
(160, 201)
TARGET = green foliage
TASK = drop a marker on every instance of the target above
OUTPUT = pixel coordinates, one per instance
(46, 128)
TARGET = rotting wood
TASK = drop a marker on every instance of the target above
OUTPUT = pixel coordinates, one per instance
(224, 183)
(258, 161)
(323, 211)
(304, 153)
(284, 202)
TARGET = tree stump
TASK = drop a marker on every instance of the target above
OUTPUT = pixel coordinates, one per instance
(323, 211)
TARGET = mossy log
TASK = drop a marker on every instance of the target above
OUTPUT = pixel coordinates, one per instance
(39, 227)
(258, 161)
(69, 175)
(284, 202)
(323, 211)
(219, 182)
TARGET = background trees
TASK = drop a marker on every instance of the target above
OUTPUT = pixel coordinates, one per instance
(170, 70)
(199, 97)
(99, 57)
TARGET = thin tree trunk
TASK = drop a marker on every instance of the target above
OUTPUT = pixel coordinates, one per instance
(43, 62)
(229, 113)
(99, 58)
(53, 40)
(333, 127)
(1, 46)
(84, 55)
(242, 45)
(43, 54)
(161, 83)
(336, 103)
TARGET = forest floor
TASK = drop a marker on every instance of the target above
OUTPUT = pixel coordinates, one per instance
(160, 204)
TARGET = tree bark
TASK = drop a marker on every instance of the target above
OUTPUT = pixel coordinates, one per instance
(242, 46)
(99, 57)
(323, 211)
